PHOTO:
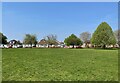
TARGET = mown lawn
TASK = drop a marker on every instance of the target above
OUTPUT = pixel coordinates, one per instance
(37, 64)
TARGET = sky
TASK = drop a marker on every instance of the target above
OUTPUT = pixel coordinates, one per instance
(59, 18)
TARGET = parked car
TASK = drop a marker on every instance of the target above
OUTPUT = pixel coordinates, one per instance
(19, 46)
(1, 46)
(8, 46)
(27, 46)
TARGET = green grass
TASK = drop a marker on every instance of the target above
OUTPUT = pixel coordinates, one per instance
(59, 64)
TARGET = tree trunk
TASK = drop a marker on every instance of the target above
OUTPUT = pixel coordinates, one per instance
(113, 46)
(104, 46)
(85, 45)
(31, 45)
(73, 46)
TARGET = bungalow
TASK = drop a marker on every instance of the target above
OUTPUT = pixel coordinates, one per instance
(42, 43)
(14, 44)
(87, 44)
(61, 44)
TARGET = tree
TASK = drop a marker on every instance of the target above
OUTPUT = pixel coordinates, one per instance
(117, 36)
(30, 39)
(51, 39)
(103, 36)
(3, 39)
(19, 43)
(72, 40)
(85, 36)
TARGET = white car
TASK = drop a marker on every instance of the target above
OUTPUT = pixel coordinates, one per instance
(6, 46)
(14, 46)
(1, 46)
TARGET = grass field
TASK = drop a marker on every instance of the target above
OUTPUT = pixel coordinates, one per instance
(59, 64)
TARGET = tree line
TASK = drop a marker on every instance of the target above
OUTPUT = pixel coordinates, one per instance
(102, 36)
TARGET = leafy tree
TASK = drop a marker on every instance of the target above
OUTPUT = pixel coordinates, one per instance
(72, 40)
(85, 36)
(30, 39)
(19, 43)
(3, 39)
(51, 39)
(103, 36)
(117, 36)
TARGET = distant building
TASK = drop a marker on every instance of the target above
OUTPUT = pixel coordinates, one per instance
(42, 43)
(61, 44)
(12, 42)
(87, 44)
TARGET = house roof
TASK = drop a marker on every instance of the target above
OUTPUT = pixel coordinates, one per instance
(42, 42)
(12, 42)
(88, 41)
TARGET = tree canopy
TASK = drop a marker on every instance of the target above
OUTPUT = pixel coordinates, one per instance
(85, 36)
(117, 36)
(72, 40)
(30, 39)
(3, 39)
(103, 36)
(51, 39)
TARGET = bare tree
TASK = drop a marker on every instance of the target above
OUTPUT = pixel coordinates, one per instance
(51, 39)
(85, 37)
(117, 36)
